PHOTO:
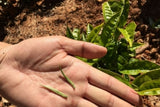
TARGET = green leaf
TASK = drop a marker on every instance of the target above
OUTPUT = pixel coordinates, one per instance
(130, 28)
(135, 46)
(155, 91)
(76, 34)
(129, 32)
(89, 29)
(116, 75)
(152, 75)
(92, 37)
(150, 85)
(135, 66)
(109, 29)
(122, 59)
(69, 33)
(115, 15)
(109, 61)
(88, 61)
(83, 37)
(133, 72)
(107, 12)
(124, 13)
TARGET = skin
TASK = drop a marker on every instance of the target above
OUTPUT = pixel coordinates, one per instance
(27, 65)
(68, 80)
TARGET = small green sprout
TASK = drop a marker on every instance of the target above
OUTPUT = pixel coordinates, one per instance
(68, 80)
(55, 91)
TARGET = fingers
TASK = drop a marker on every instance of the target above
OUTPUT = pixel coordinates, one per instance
(82, 49)
(103, 98)
(86, 103)
(113, 86)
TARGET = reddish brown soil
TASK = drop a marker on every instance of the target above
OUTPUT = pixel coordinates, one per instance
(50, 17)
(53, 21)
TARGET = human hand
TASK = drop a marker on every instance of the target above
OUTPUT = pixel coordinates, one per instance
(27, 65)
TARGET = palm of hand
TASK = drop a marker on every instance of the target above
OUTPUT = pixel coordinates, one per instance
(37, 61)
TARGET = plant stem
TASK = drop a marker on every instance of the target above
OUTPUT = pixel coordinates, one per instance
(68, 80)
(55, 91)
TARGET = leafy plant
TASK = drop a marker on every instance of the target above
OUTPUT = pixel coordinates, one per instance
(119, 60)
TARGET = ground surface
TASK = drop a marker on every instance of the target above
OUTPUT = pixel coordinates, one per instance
(39, 18)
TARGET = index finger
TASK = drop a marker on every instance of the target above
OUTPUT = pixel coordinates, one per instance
(112, 85)
(81, 48)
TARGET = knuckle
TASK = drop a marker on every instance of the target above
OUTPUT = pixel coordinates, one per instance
(109, 101)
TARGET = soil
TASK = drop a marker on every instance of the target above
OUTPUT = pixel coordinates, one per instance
(24, 19)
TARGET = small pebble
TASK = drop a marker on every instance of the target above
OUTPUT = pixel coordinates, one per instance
(140, 41)
(154, 50)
